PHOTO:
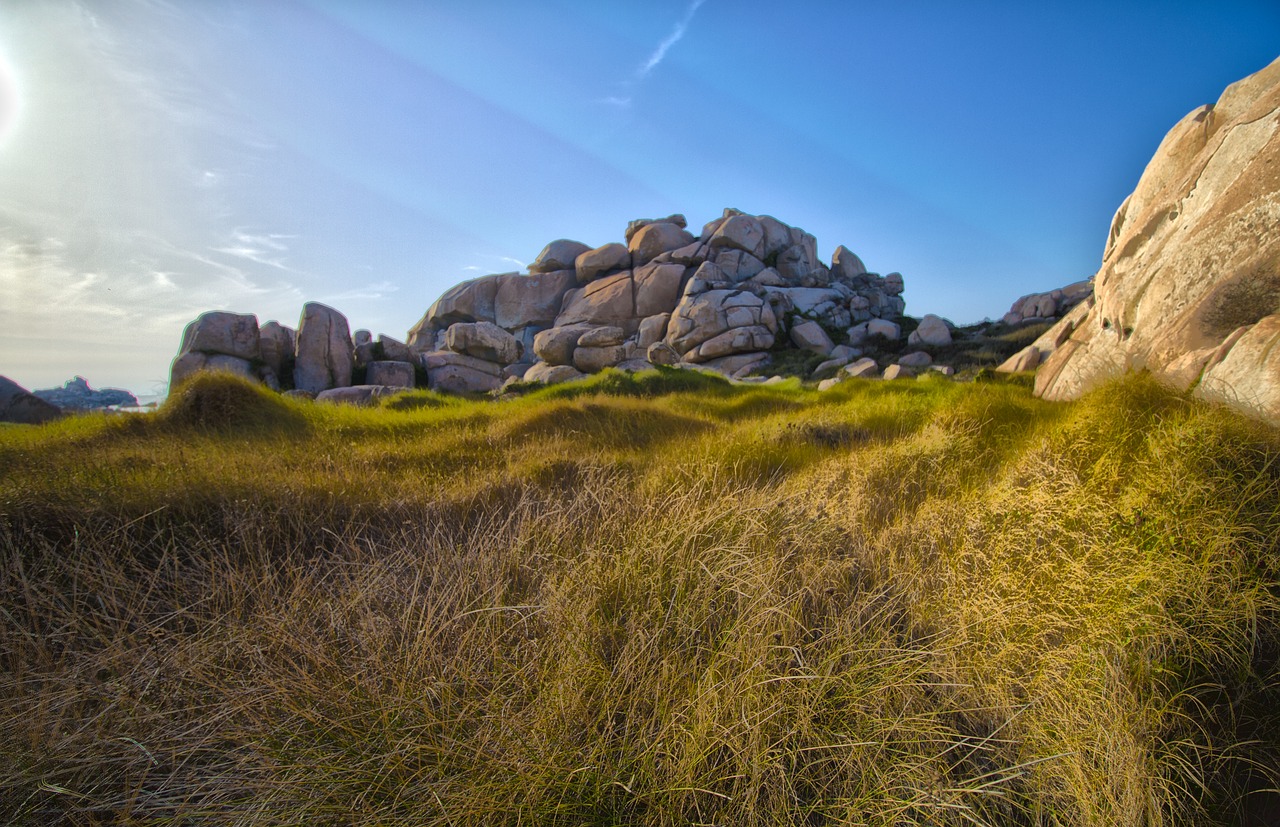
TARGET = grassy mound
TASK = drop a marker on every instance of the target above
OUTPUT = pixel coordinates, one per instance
(645, 602)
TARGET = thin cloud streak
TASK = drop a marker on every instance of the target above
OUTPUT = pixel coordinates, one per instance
(672, 39)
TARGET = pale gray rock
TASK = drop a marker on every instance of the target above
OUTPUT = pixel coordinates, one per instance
(809, 335)
(768, 277)
(391, 374)
(609, 300)
(555, 346)
(394, 350)
(652, 329)
(324, 355)
(483, 340)
(885, 328)
(605, 336)
(635, 226)
(932, 331)
(366, 353)
(690, 255)
(864, 368)
(532, 300)
(893, 285)
(714, 315)
(657, 290)
(777, 236)
(553, 374)
(470, 301)
(652, 240)
(846, 265)
(558, 255)
(460, 379)
(364, 396)
(606, 259)
(230, 334)
(899, 372)
(829, 368)
(828, 384)
(915, 359)
(661, 353)
(596, 359)
(362, 337)
(737, 265)
(1026, 359)
(20, 406)
(740, 232)
(436, 359)
(737, 365)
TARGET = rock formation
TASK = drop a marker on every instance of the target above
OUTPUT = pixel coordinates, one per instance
(1189, 287)
(76, 395)
(20, 406)
(722, 300)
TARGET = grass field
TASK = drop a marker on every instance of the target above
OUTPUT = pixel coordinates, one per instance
(650, 600)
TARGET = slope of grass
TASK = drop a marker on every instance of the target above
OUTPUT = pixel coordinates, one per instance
(651, 601)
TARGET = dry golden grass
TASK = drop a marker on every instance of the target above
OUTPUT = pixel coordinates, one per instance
(653, 601)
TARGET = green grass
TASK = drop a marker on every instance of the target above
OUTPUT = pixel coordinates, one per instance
(649, 600)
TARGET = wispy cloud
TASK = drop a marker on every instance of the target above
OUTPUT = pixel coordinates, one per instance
(265, 249)
(672, 39)
(617, 100)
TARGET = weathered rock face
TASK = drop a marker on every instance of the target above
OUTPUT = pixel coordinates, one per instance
(391, 374)
(607, 259)
(325, 354)
(76, 395)
(277, 344)
(483, 340)
(20, 406)
(1192, 263)
(718, 323)
(232, 334)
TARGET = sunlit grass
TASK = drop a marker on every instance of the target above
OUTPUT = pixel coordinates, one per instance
(653, 600)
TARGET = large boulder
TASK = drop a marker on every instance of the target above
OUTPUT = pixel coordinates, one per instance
(324, 355)
(483, 340)
(606, 301)
(450, 372)
(532, 300)
(720, 323)
(390, 374)
(470, 301)
(1192, 263)
(556, 346)
(607, 259)
(638, 224)
(558, 255)
(932, 330)
(652, 240)
(846, 265)
(19, 405)
(232, 334)
(741, 232)
(358, 395)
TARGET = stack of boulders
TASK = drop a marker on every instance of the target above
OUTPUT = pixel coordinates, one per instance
(318, 360)
(722, 300)
(1050, 306)
(76, 395)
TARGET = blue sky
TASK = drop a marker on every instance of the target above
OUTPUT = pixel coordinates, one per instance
(159, 159)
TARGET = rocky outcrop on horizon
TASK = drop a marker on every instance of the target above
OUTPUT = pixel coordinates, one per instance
(76, 395)
(1189, 287)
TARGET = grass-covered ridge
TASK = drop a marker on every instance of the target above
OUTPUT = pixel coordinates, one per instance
(656, 600)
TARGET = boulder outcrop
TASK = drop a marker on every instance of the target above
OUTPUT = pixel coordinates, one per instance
(76, 395)
(325, 353)
(19, 405)
(1189, 287)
